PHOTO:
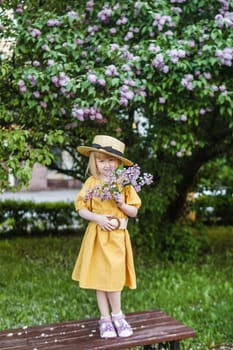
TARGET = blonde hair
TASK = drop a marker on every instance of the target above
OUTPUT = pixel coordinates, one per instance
(92, 167)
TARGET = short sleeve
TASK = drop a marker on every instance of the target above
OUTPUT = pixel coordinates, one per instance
(79, 201)
(131, 197)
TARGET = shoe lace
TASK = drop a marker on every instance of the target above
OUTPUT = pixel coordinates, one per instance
(107, 326)
(123, 324)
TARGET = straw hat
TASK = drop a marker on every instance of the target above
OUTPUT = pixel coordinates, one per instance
(107, 145)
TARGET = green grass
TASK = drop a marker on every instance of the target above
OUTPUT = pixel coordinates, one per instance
(36, 287)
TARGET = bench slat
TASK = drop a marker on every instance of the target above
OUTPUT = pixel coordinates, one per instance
(150, 327)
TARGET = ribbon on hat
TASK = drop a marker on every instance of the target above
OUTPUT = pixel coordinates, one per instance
(107, 149)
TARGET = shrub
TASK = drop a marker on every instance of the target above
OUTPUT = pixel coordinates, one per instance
(214, 210)
(29, 217)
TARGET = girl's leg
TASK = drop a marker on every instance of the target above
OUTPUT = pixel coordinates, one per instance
(115, 301)
(118, 318)
(106, 327)
(103, 303)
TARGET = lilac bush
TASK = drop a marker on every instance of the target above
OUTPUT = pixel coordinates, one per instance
(156, 74)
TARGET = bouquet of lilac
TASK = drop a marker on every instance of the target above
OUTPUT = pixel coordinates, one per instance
(116, 180)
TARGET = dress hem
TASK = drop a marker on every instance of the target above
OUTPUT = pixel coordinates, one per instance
(83, 286)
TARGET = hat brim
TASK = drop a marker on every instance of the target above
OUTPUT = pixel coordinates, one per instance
(85, 151)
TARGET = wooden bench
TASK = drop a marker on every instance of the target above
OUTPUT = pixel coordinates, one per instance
(150, 327)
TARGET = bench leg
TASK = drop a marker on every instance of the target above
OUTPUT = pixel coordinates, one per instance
(174, 345)
(160, 346)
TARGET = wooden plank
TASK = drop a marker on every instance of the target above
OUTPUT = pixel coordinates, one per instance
(150, 327)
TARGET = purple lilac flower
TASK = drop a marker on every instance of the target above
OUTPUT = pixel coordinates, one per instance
(34, 32)
(92, 29)
(81, 113)
(176, 10)
(104, 15)
(140, 92)
(169, 33)
(65, 92)
(92, 78)
(55, 81)
(31, 79)
(84, 54)
(153, 48)
(183, 118)
(63, 111)
(98, 116)
(78, 113)
(111, 71)
(23, 89)
(36, 63)
(112, 30)
(187, 82)
(176, 54)
(158, 62)
(225, 56)
(222, 88)
(160, 21)
(89, 5)
(102, 82)
(19, 9)
(130, 82)
(114, 47)
(129, 36)
(207, 75)
(60, 80)
(162, 100)
(123, 102)
(21, 83)
(43, 104)
(224, 18)
(36, 94)
(45, 47)
(177, 1)
(125, 95)
(79, 41)
(122, 20)
(51, 62)
(202, 111)
(137, 4)
(63, 78)
(73, 14)
(128, 56)
(22, 86)
(53, 22)
(173, 143)
(179, 154)
(125, 68)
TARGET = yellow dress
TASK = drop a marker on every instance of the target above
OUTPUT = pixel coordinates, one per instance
(105, 260)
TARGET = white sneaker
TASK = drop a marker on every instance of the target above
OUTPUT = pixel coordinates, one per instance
(122, 326)
(106, 328)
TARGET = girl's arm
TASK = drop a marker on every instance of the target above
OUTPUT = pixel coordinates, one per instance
(101, 220)
(127, 209)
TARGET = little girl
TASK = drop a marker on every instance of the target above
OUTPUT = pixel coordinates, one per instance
(105, 261)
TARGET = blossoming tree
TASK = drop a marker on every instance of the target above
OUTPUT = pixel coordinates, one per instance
(157, 74)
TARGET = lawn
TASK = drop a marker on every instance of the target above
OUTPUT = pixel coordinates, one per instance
(36, 287)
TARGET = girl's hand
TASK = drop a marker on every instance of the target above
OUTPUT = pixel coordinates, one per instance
(105, 223)
(119, 200)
